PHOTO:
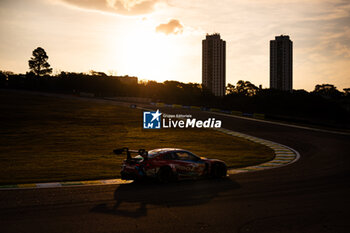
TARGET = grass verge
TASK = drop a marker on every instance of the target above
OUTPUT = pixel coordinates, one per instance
(51, 139)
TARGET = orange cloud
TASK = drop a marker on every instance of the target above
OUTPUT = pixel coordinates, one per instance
(122, 7)
(172, 27)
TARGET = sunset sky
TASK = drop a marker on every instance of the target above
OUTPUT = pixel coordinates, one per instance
(161, 40)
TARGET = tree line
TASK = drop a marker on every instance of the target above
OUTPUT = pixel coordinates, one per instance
(324, 105)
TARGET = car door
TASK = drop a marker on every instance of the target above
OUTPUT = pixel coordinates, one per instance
(188, 165)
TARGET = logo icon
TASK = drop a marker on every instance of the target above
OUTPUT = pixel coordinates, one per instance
(151, 120)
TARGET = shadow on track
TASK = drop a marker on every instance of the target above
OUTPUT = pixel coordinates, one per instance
(131, 200)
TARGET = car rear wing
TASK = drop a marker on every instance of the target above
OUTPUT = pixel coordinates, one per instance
(141, 152)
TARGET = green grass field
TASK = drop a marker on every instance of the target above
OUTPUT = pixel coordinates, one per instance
(52, 139)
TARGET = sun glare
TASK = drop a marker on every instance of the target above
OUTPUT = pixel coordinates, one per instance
(150, 55)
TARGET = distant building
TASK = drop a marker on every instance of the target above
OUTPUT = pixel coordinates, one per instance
(214, 64)
(281, 63)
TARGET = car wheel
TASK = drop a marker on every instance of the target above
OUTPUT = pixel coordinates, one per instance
(219, 170)
(164, 175)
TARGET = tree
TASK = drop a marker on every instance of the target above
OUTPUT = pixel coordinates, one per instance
(246, 88)
(327, 90)
(38, 63)
(230, 89)
(97, 73)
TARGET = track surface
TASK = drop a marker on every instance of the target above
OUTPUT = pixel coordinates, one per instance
(311, 195)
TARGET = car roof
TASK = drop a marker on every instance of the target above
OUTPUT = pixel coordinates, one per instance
(159, 150)
(155, 152)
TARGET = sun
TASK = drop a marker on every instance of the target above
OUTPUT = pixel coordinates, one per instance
(150, 55)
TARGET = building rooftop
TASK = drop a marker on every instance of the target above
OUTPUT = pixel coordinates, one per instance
(213, 36)
(282, 37)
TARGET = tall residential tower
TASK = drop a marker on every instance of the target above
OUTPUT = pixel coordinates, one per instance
(214, 64)
(281, 63)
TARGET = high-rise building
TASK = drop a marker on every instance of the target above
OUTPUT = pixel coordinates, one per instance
(214, 64)
(281, 63)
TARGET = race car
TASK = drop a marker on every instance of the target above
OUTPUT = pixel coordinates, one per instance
(168, 164)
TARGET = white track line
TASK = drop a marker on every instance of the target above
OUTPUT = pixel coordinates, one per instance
(284, 155)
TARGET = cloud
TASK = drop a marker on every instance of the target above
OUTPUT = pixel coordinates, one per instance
(122, 7)
(172, 27)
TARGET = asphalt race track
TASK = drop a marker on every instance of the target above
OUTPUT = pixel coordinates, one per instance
(311, 195)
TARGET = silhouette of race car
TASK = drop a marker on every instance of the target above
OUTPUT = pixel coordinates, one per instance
(168, 164)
